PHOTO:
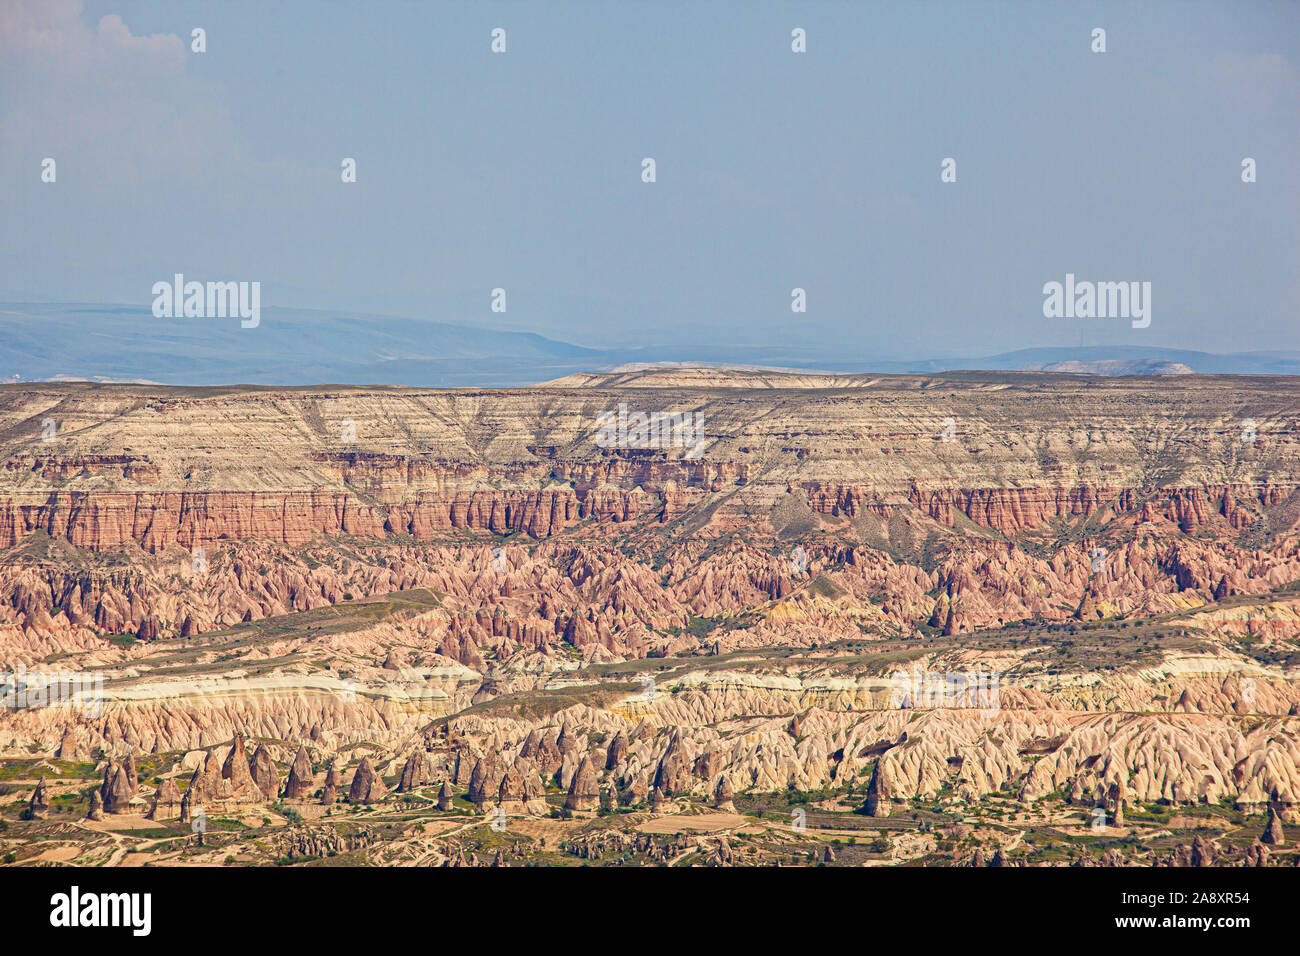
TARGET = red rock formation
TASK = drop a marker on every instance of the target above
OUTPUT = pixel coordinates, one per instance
(723, 795)
(584, 792)
(415, 773)
(301, 781)
(166, 801)
(238, 776)
(617, 752)
(330, 792)
(366, 786)
(38, 807)
(117, 791)
(264, 774)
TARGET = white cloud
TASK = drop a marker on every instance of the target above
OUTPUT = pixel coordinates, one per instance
(100, 98)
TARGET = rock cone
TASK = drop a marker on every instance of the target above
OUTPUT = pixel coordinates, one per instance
(584, 792)
(366, 786)
(264, 774)
(302, 781)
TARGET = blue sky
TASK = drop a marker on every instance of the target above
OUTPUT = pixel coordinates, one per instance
(775, 170)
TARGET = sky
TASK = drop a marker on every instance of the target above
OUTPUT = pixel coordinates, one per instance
(775, 170)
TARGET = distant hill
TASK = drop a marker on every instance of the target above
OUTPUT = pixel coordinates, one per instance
(1205, 363)
(289, 347)
(43, 342)
(1117, 367)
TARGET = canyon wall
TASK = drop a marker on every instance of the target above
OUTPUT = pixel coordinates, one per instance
(163, 467)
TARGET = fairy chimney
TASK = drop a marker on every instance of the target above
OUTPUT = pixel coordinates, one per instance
(96, 811)
(366, 786)
(301, 780)
(264, 774)
(723, 795)
(38, 808)
(584, 792)
(416, 771)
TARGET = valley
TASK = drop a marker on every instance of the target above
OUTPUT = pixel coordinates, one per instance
(347, 625)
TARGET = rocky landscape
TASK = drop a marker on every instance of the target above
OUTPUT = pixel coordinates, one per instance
(963, 619)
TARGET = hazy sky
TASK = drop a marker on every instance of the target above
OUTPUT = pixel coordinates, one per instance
(522, 170)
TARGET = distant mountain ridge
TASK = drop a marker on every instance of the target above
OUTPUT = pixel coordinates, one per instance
(1279, 362)
(1116, 367)
(44, 342)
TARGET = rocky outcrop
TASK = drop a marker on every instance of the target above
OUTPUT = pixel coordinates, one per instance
(302, 780)
(330, 792)
(820, 533)
(658, 800)
(238, 783)
(511, 793)
(71, 747)
(166, 802)
(483, 782)
(584, 791)
(265, 776)
(117, 791)
(978, 585)
(156, 521)
(1201, 853)
(1115, 803)
(313, 842)
(1273, 834)
(415, 773)
(878, 800)
(617, 752)
(206, 784)
(723, 796)
(159, 520)
(366, 787)
(534, 791)
(673, 775)
(38, 807)
(636, 790)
